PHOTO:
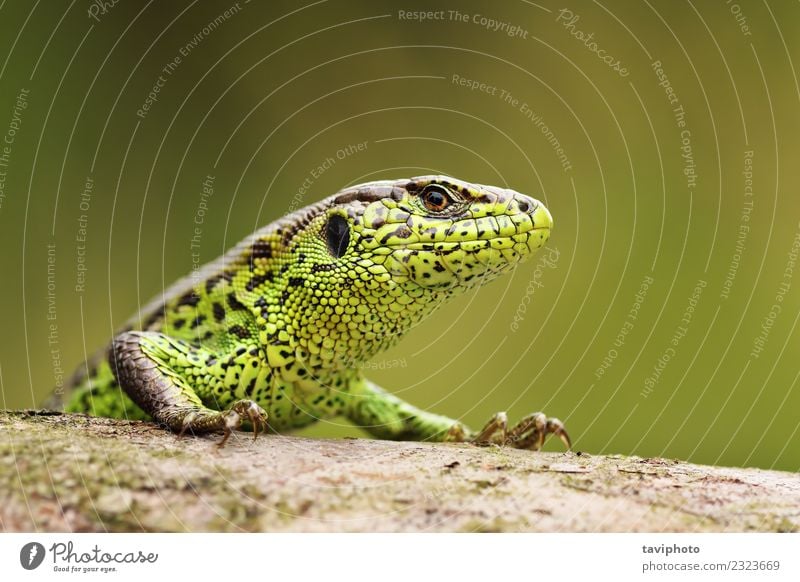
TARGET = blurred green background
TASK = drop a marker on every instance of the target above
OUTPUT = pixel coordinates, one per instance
(652, 329)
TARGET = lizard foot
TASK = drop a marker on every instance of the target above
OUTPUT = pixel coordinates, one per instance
(227, 420)
(529, 433)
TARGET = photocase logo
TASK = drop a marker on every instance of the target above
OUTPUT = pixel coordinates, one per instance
(31, 555)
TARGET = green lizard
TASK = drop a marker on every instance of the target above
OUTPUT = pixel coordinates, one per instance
(273, 331)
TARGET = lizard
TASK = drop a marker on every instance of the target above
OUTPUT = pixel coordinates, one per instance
(271, 334)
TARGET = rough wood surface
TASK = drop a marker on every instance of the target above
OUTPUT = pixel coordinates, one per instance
(75, 473)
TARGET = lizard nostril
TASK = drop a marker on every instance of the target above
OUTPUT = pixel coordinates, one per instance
(524, 205)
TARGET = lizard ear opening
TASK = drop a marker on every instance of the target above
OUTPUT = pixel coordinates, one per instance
(337, 235)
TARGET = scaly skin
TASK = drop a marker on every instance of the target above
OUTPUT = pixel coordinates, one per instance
(276, 328)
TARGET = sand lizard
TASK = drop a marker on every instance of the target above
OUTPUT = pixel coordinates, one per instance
(274, 330)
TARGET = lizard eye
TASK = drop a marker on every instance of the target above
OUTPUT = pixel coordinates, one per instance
(436, 198)
(337, 235)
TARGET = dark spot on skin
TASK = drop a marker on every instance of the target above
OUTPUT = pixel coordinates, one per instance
(285, 354)
(197, 321)
(261, 303)
(250, 386)
(241, 333)
(208, 335)
(323, 267)
(380, 217)
(178, 323)
(211, 282)
(301, 258)
(189, 298)
(234, 303)
(211, 361)
(296, 281)
(402, 232)
(261, 249)
(254, 352)
(285, 296)
(439, 268)
(524, 205)
(426, 275)
(241, 351)
(258, 280)
(254, 363)
(219, 311)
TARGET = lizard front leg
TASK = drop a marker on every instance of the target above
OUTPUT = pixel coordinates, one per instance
(386, 416)
(154, 370)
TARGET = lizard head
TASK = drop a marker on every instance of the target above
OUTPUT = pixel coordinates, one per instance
(435, 232)
(360, 268)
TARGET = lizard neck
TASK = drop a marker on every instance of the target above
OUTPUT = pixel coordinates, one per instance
(334, 326)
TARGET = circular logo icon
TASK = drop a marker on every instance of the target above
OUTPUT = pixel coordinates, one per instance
(31, 555)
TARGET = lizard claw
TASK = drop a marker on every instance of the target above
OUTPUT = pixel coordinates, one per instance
(240, 410)
(556, 427)
(456, 434)
(495, 430)
(529, 433)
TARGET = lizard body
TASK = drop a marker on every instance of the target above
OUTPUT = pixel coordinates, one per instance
(275, 328)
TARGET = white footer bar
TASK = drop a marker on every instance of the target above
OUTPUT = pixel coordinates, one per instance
(400, 557)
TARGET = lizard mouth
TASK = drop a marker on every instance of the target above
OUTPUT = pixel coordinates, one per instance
(438, 254)
(448, 265)
(499, 242)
